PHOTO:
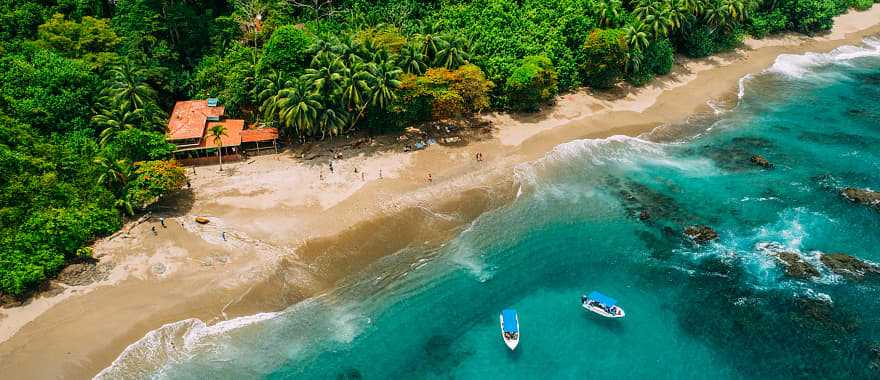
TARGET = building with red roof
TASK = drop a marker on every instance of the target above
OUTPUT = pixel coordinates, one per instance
(189, 128)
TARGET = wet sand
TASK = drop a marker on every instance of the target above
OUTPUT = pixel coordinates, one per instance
(294, 229)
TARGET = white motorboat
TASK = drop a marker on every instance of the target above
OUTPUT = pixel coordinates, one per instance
(602, 305)
(510, 328)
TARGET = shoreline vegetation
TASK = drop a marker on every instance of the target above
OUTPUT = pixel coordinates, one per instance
(283, 229)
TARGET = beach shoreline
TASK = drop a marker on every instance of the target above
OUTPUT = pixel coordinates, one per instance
(283, 230)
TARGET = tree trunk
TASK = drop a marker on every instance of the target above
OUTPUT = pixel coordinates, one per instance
(220, 154)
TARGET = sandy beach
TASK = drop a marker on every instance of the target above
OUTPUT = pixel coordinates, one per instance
(283, 229)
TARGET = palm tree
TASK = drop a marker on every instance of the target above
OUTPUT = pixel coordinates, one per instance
(696, 7)
(116, 120)
(324, 79)
(128, 85)
(411, 60)
(609, 11)
(636, 36)
(356, 90)
(322, 50)
(114, 173)
(330, 121)
(725, 14)
(385, 82)
(217, 132)
(453, 54)
(430, 40)
(298, 108)
(656, 16)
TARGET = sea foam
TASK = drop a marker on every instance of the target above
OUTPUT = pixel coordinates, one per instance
(800, 65)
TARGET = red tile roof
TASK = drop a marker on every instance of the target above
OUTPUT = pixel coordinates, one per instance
(233, 133)
(188, 119)
(259, 134)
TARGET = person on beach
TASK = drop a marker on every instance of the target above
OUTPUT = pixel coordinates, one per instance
(223, 235)
(321, 175)
(162, 221)
(331, 166)
(430, 178)
(154, 230)
(380, 173)
(188, 185)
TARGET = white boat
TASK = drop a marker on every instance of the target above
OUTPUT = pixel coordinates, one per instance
(510, 328)
(602, 305)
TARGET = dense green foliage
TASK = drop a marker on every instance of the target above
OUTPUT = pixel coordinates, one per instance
(85, 86)
(532, 83)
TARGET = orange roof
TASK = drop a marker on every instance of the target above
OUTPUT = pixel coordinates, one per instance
(188, 119)
(259, 134)
(233, 133)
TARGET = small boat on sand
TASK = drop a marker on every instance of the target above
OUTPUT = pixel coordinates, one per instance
(602, 305)
(510, 328)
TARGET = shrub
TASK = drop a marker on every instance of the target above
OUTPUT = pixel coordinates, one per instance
(532, 83)
(440, 94)
(861, 5)
(603, 57)
(764, 24)
(153, 179)
(659, 57)
(810, 16)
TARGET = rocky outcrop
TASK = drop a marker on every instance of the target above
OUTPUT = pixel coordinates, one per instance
(700, 234)
(795, 266)
(864, 197)
(761, 161)
(848, 266)
(84, 273)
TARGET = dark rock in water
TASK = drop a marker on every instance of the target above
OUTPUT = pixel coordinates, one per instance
(875, 356)
(862, 196)
(848, 266)
(761, 161)
(644, 215)
(701, 234)
(84, 273)
(350, 374)
(795, 266)
(812, 314)
(736, 154)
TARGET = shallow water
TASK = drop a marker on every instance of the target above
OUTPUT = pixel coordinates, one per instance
(721, 310)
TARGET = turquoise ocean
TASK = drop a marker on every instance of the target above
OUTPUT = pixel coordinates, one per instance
(723, 310)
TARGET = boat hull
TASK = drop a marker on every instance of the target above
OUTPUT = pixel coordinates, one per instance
(602, 312)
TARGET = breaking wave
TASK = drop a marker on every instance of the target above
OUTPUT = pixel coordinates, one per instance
(800, 65)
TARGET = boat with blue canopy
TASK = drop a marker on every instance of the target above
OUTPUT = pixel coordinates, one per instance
(510, 328)
(602, 305)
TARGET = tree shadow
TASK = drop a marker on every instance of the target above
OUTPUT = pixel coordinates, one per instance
(176, 204)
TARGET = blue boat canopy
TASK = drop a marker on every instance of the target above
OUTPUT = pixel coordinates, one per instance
(603, 299)
(510, 324)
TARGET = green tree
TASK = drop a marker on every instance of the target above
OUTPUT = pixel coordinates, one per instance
(603, 57)
(90, 39)
(531, 84)
(286, 50)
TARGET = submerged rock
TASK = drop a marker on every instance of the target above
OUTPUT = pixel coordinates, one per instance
(795, 266)
(761, 161)
(862, 196)
(701, 234)
(848, 266)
